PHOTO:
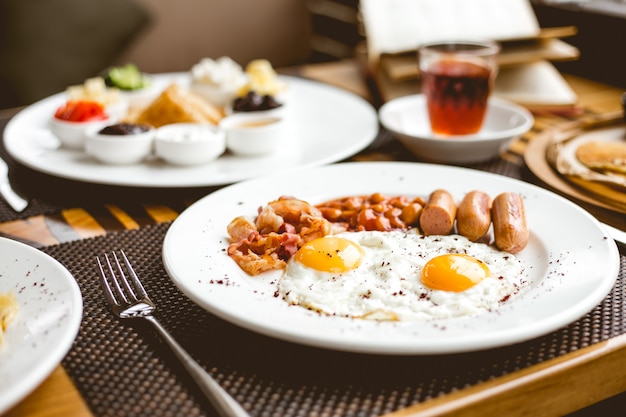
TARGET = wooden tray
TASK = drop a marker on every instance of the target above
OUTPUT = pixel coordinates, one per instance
(596, 194)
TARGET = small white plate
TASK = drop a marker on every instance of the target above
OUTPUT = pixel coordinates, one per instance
(571, 260)
(50, 311)
(407, 119)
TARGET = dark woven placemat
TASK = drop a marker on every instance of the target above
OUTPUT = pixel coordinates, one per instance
(123, 369)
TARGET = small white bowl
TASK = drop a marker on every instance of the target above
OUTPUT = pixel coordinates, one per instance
(407, 119)
(189, 143)
(72, 134)
(252, 134)
(119, 149)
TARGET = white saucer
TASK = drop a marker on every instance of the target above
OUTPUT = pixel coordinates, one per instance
(407, 119)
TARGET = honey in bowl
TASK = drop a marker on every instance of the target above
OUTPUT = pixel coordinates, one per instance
(256, 123)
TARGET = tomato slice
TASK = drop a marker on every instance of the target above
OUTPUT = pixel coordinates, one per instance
(81, 111)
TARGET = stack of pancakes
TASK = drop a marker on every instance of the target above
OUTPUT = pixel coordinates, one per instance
(605, 157)
(594, 161)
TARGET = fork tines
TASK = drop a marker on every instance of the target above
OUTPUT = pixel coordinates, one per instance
(118, 289)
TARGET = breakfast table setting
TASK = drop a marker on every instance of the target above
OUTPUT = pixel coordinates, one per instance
(555, 350)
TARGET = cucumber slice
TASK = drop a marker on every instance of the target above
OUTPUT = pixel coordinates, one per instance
(127, 77)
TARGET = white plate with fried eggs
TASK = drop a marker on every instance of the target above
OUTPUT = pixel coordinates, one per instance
(568, 267)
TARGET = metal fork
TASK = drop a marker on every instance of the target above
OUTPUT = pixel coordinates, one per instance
(128, 299)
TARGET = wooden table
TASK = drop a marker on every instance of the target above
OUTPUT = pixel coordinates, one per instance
(557, 387)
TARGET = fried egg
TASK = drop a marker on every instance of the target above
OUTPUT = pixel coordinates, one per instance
(400, 275)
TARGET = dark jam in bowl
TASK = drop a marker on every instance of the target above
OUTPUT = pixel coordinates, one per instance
(255, 102)
(121, 129)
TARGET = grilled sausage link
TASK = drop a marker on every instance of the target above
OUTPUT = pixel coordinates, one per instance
(438, 215)
(510, 228)
(473, 216)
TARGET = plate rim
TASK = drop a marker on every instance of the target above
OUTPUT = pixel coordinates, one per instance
(193, 178)
(473, 138)
(37, 373)
(504, 338)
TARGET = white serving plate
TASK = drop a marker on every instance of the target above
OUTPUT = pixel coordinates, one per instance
(572, 262)
(327, 124)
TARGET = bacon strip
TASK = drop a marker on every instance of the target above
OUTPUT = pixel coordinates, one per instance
(279, 230)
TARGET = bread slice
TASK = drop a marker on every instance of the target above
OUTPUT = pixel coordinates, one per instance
(177, 105)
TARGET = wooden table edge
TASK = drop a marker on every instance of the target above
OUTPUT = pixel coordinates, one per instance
(538, 389)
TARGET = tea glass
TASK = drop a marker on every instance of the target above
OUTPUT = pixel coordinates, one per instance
(457, 79)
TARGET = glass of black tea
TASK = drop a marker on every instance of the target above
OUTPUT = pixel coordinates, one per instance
(457, 78)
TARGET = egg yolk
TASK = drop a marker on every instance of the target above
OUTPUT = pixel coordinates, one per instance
(330, 254)
(453, 272)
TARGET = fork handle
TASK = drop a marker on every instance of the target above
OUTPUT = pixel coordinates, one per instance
(224, 404)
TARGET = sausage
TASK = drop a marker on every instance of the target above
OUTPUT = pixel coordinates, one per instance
(510, 228)
(438, 215)
(473, 216)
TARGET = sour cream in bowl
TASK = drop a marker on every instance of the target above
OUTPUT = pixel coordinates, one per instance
(189, 143)
(120, 144)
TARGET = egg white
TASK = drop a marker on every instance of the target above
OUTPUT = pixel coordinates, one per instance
(387, 285)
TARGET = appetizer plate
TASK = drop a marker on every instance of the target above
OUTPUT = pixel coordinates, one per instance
(50, 311)
(571, 269)
(407, 119)
(327, 124)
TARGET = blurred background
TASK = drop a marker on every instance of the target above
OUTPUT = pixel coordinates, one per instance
(46, 45)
